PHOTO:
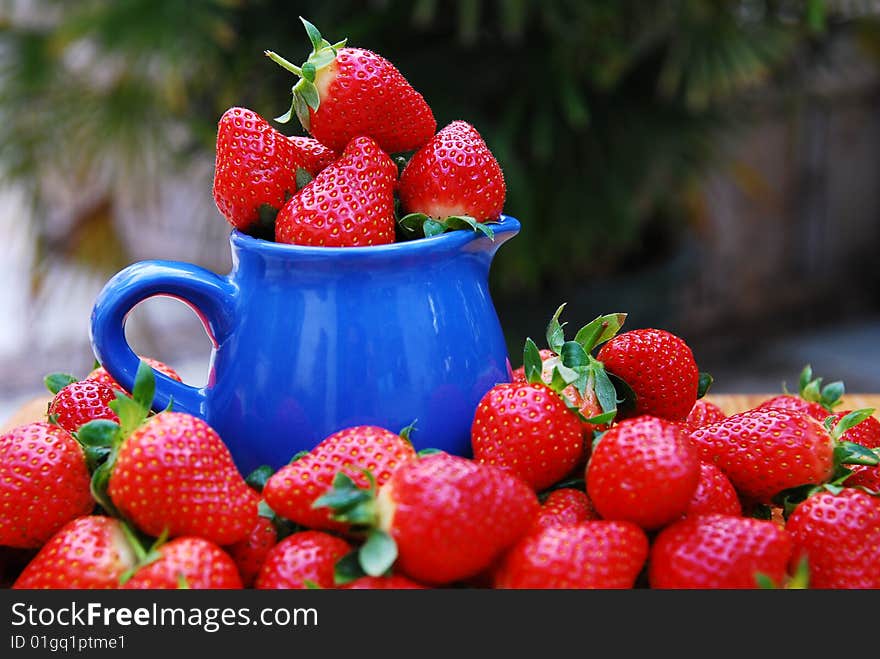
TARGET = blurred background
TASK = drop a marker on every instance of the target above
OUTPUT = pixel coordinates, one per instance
(708, 166)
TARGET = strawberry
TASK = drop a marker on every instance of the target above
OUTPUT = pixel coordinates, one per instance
(594, 554)
(703, 413)
(256, 168)
(101, 375)
(345, 93)
(529, 430)
(301, 560)
(393, 582)
(719, 551)
(767, 451)
(349, 204)
(291, 491)
(88, 552)
(44, 483)
(186, 562)
(839, 534)
(440, 519)
(174, 474)
(714, 494)
(250, 553)
(81, 402)
(565, 506)
(548, 358)
(796, 403)
(643, 470)
(453, 175)
(659, 367)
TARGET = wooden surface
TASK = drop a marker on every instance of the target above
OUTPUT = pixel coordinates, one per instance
(35, 409)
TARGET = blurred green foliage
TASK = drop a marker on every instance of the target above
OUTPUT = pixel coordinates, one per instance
(603, 113)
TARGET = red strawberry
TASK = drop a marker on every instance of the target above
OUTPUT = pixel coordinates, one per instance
(714, 494)
(292, 490)
(187, 562)
(454, 175)
(302, 559)
(703, 413)
(442, 517)
(565, 506)
(796, 403)
(766, 451)
(345, 93)
(81, 402)
(660, 369)
(175, 474)
(394, 582)
(250, 553)
(839, 534)
(255, 169)
(529, 430)
(101, 375)
(349, 204)
(643, 470)
(719, 551)
(88, 552)
(44, 483)
(595, 554)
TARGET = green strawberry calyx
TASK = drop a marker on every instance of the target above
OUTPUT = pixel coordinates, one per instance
(358, 507)
(55, 382)
(414, 223)
(304, 93)
(810, 389)
(574, 365)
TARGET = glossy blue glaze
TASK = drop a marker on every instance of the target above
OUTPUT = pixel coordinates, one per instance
(310, 340)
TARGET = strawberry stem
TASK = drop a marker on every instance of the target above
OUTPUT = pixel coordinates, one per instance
(283, 63)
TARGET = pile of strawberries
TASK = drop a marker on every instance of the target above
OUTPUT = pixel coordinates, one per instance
(373, 171)
(598, 465)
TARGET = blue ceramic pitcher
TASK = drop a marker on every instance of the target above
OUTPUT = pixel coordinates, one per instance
(310, 340)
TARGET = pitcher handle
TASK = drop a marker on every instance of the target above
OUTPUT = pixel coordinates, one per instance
(211, 296)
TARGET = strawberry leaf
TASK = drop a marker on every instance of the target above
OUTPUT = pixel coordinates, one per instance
(55, 382)
(432, 228)
(144, 388)
(428, 451)
(805, 378)
(378, 553)
(313, 33)
(98, 433)
(457, 222)
(573, 355)
(626, 397)
(555, 334)
(599, 330)
(258, 478)
(602, 419)
(703, 384)
(831, 394)
(307, 91)
(850, 453)
(532, 364)
(407, 431)
(348, 568)
(308, 71)
(606, 392)
(99, 482)
(848, 422)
